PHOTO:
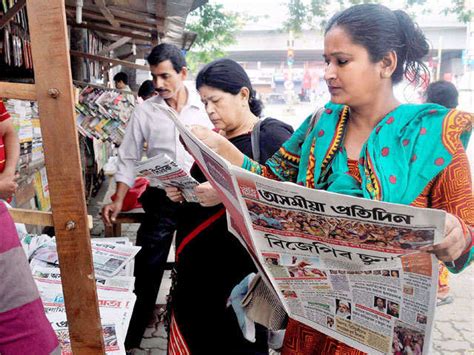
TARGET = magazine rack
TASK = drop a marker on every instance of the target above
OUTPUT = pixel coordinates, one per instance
(53, 89)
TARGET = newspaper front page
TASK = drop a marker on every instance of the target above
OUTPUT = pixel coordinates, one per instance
(348, 267)
(162, 171)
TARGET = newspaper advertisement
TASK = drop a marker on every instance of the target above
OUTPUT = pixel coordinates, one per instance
(351, 268)
(108, 258)
(162, 171)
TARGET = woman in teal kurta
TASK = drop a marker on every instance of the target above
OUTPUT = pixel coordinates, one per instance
(368, 144)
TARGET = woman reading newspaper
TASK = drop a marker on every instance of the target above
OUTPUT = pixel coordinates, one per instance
(367, 144)
(201, 321)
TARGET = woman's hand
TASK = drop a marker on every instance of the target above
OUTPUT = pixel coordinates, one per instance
(207, 195)
(210, 138)
(174, 194)
(218, 144)
(454, 242)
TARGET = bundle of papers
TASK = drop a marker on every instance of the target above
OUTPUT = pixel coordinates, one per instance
(113, 263)
(103, 114)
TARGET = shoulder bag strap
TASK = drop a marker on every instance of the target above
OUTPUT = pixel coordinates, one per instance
(255, 141)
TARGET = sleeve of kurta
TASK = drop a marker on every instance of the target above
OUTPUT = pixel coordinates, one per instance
(452, 192)
(130, 150)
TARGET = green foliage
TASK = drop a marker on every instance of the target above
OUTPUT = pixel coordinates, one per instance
(311, 13)
(215, 30)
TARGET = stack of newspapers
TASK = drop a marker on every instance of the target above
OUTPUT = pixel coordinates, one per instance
(113, 264)
(103, 114)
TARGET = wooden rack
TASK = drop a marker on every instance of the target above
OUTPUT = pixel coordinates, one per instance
(53, 89)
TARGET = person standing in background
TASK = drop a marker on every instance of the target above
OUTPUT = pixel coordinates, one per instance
(150, 122)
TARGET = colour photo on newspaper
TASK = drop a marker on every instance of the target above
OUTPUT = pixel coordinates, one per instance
(348, 267)
(163, 171)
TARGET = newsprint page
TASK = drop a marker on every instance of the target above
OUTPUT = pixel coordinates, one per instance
(345, 266)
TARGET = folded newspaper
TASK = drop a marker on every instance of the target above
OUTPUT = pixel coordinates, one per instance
(162, 171)
(108, 258)
(348, 267)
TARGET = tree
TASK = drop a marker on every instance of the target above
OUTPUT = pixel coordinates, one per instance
(303, 13)
(215, 30)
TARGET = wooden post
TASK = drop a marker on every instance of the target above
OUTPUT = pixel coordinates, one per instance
(47, 22)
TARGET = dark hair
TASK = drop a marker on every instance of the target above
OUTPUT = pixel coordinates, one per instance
(147, 88)
(381, 30)
(166, 51)
(121, 77)
(442, 92)
(228, 76)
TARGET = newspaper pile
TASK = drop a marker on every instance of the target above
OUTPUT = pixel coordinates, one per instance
(103, 114)
(113, 263)
(26, 121)
(348, 267)
(162, 171)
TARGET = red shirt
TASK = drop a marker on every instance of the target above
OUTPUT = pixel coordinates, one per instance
(3, 116)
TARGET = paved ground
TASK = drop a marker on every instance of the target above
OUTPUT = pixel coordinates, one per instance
(454, 327)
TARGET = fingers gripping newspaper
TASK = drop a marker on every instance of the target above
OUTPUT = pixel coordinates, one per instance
(163, 172)
(348, 267)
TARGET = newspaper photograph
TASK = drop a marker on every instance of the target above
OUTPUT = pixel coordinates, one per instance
(108, 258)
(162, 171)
(351, 268)
(112, 339)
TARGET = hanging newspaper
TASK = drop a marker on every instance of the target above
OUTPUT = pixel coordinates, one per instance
(348, 267)
(162, 171)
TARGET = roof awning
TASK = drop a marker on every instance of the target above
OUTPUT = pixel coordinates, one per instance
(144, 22)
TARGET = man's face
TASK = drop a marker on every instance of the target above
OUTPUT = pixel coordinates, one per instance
(120, 84)
(167, 81)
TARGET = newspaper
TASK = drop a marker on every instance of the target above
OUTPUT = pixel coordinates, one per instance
(115, 294)
(162, 171)
(113, 341)
(108, 258)
(348, 267)
(51, 275)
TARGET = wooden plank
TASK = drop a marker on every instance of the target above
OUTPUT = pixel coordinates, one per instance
(114, 45)
(107, 14)
(109, 60)
(161, 11)
(112, 30)
(18, 91)
(39, 218)
(11, 13)
(50, 48)
(87, 13)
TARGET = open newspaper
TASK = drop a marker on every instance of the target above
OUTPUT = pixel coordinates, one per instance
(162, 171)
(348, 267)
